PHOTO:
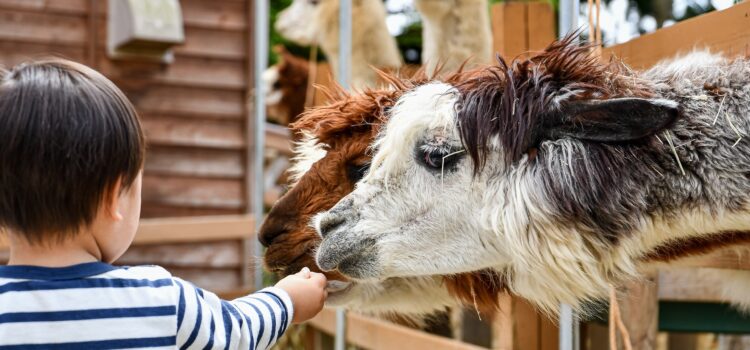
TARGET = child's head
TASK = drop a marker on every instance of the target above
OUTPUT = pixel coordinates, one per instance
(71, 153)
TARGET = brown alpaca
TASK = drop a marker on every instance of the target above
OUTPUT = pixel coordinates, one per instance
(286, 87)
(347, 127)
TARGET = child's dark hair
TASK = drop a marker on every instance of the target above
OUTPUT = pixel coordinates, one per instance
(67, 136)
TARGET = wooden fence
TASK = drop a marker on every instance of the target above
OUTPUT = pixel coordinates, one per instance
(196, 113)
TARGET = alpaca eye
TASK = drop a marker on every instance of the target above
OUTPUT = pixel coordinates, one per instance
(434, 159)
(440, 159)
(357, 172)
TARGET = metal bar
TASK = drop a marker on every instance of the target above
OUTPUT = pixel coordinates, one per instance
(261, 61)
(569, 332)
(344, 78)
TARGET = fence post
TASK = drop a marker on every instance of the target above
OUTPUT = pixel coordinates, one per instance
(344, 73)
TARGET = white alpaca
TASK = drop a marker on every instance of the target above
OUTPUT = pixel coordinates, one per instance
(309, 22)
(557, 172)
(454, 31)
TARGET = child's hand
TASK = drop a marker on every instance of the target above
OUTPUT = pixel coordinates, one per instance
(307, 291)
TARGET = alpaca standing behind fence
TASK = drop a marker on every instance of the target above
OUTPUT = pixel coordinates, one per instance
(560, 173)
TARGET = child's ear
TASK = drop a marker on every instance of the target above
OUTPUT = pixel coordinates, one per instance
(112, 201)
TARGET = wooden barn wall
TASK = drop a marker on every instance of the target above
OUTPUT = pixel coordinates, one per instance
(194, 110)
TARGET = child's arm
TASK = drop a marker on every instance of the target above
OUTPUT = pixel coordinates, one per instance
(255, 321)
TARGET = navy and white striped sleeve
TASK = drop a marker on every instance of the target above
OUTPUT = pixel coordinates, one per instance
(255, 321)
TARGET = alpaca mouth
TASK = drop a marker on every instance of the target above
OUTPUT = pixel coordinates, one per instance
(334, 286)
(339, 293)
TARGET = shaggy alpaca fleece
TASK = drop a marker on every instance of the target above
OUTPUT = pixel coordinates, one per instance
(455, 31)
(559, 172)
(309, 23)
(332, 155)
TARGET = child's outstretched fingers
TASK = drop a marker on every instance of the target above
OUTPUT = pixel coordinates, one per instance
(304, 273)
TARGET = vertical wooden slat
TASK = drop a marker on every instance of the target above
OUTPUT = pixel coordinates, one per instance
(526, 326)
(640, 311)
(548, 334)
(247, 275)
(502, 325)
(509, 27)
(93, 31)
(541, 25)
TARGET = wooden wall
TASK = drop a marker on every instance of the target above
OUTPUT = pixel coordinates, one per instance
(194, 110)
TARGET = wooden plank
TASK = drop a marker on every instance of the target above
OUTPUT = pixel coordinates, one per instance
(725, 31)
(509, 27)
(194, 229)
(278, 138)
(14, 53)
(541, 25)
(375, 334)
(549, 334)
(502, 325)
(158, 210)
(194, 132)
(78, 7)
(732, 258)
(690, 285)
(204, 42)
(219, 254)
(640, 312)
(209, 279)
(191, 192)
(194, 162)
(184, 71)
(526, 326)
(173, 100)
(45, 28)
(227, 15)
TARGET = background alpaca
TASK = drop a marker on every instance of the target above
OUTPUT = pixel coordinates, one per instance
(331, 159)
(453, 31)
(316, 22)
(554, 177)
(286, 87)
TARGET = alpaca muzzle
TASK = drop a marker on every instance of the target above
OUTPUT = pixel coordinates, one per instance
(354, 257)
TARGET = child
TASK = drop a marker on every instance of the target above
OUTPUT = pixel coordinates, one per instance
(71, 154)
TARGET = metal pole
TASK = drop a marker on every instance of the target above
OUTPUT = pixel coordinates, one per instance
(261, 62)
(568, 21)
(344, 78)
(569, 333)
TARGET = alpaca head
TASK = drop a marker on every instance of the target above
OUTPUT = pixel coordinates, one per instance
(477, 174)
(299, 21)
(332, 156)
(285, 87)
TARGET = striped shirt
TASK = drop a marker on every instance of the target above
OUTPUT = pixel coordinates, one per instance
(100, 306)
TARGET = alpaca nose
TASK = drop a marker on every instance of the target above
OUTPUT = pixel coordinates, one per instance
(329, 223)
(273, 226)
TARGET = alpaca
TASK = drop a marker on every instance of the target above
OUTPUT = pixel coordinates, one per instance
(454, 31)
(331, 158)
(561, 173)
(316, 22)
(285, 87)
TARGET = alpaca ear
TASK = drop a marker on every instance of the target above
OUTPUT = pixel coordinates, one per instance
(613, 120)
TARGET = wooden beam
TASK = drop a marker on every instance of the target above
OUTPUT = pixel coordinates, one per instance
(509, 28)
(188, 230)
(640, 312)
(726, 31)
(194, 229)
(376, 334)
(732, 258)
